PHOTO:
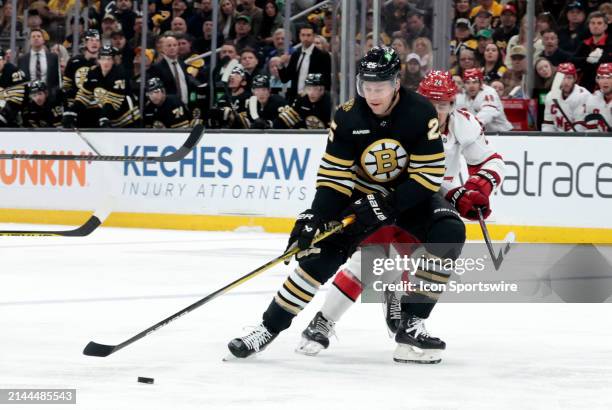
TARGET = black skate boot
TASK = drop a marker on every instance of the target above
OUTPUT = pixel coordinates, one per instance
(316, 336)
(414, 344)
(393, 311)
(256, 341)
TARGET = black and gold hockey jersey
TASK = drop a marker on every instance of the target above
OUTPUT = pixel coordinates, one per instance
(12, 94)
(75, 75)
(109, 97)
(401, 154)
(265, 114)
(49, 115)
(305, 114)
(232, 112)
(172, 113)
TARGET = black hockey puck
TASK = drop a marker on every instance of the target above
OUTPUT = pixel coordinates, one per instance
(147, 380)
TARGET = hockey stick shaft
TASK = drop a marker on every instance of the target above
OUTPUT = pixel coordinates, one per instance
(100, 350)
(597, 117)
(180, 153)
(556, 102)
(88, 227)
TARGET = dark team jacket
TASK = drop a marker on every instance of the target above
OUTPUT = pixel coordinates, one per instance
(75, 75)
(172, 113)
(305, 114)
(401, 154)
(270, 111)
(110, 94)
(12, 93)
(49, 115)
(238, 105)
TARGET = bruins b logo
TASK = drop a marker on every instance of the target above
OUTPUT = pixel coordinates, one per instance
(384, 160)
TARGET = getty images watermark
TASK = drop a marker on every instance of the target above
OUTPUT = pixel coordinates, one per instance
(529, 273)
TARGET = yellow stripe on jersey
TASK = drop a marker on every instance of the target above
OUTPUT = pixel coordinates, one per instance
(336, 173)
(336, 186)
(338, 161)
(430, 157)
(418, 178)
(428, 170)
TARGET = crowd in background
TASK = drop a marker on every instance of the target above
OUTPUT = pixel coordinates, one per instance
(256, 84)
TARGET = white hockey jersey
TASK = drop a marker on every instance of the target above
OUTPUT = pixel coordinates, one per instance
(573, 106)
(596, 104)
(464, 137)
(487, 107)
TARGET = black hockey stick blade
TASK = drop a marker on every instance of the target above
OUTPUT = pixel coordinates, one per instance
(88, 227)
(597, 117)
(497, 261)
(100, 350)
(188, 145)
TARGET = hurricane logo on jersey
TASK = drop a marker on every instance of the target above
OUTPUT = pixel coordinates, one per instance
(384, 160)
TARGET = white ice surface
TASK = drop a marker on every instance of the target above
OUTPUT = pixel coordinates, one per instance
(56, 294)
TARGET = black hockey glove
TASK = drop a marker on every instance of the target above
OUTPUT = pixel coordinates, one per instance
(261, 124)
(69, 120)
(307, 226)
(104, 122)
(371, 212)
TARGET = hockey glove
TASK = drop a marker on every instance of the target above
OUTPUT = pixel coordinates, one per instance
(467, 203)
(69, 120)
(261, 124)
(370, 212)
(104, 122)
(307, 226)
(484, 181)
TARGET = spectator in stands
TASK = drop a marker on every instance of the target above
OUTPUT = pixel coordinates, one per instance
(136, 41)
(394, 14)
(272, 21)
(109, 25)
(149, 57)
(544, 76)
(124, 54)
(173, 71)
(413, 76)
(180, 9)
(199, 16)
(463, 39)
(34, 22)
(514, 78)
(203, 42)
(545, 21)
(399, 44)
(483, 37)
(521, 39)
(5, 20)
(493, 65)
(422, 46)
(248, 8)
(508, 27)
(244, 33)
(328, 19)
(467, 60)
(572, 35)
(276, 85)
(498, 86)
(178, 25)
(321, 43)
(595, 50)
(126, 17)
(606, 8)
(482, 21)
(417, 27)
(551, 51)
(40, 64)
(227, 19)
(492, 6)
(278, 45)
(62, 54)
(307, 59)
(462, 9)
(250, 62)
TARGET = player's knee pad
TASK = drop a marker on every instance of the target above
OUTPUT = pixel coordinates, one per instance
(446, 237)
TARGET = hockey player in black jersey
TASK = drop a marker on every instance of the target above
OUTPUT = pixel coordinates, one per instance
(263, 107)
(231, 109)
(40, 111)
(12, 92)
(384, 163)
(311, 110)
(162, 110)
(106, 95)
(75, 75)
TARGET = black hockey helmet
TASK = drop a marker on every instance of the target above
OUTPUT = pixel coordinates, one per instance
(261, 81)
(379, 64)
(37, 86)
(107, 51)
(314, 79)
(239, 69)
(154, 84)
(91, 33)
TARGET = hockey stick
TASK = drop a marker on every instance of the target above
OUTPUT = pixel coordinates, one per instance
(100, 350)
(188, 145)
(564, 114)
(497, 261)
(88, 227)
(597, 117)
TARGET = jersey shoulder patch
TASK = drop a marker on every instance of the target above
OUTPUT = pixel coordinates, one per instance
(347, 106)
(465, 127)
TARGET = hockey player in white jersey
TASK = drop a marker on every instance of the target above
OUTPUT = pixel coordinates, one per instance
(463, 137)
(565, 106)
(598, 110)
(483, 101)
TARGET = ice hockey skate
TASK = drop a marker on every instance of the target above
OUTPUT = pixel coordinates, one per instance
(414, 344)
(316, 336)
(254, 342)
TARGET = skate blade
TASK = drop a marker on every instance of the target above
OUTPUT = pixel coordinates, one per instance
(412, 354)
(231, 358)
(309, 347)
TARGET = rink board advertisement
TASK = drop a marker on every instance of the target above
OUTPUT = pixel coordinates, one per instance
(550, 181)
